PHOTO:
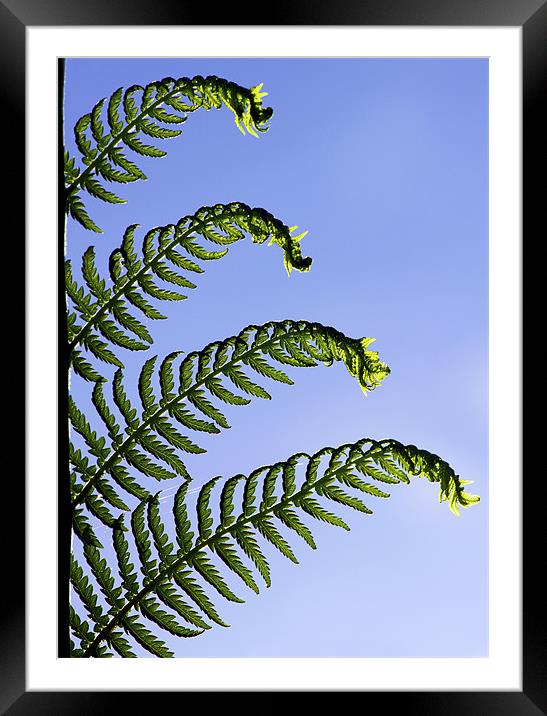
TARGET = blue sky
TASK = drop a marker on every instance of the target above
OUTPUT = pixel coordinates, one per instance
(385, 162)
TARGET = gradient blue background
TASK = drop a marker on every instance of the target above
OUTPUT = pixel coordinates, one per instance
(385, 162)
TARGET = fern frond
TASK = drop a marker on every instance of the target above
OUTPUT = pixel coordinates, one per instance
(103, 135)
(153, 438)
(80, 629)
(236, 538)
(169, 255)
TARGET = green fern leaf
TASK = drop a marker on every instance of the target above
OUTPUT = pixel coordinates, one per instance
(283, 499)
(100, 350)
(143, 541)
(80, 628)
(211, 575)
(145, 638)
(163, 545)
(144, 113)
(96, 189)
(84, 530)
(268, 530)
(121, 645)
(176, 439)
(76, 210)
(245, 538)
(196, 593)
(84, 369)
(127, 569)
(197, 380)
(98, 508)
(86, 593)
(250, 490)
(313, 508)
(152, 609)
(104, 577)
(229, 556)
(105, 309)
(142, 461)
(109, 494)
(105, 413)
(183, 525)
(227, 506)
(336, 494)
(205, 519)
(171, 598)
(291, 520)
(191, 421)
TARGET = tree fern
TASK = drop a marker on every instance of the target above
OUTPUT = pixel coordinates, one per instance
(169, 577)
(152, 441)
(170, 255)
(155, 110)
(176, 583)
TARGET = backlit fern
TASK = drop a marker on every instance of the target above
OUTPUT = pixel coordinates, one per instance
(152, 111)
(179, 576)
(135, 574)
(169, 255)
(151, 442)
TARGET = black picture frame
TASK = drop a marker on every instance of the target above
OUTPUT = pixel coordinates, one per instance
(531, 15)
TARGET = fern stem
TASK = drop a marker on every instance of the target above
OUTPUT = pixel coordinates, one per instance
(110, 460)
(63, 485)
(116, 139)
(201, 546)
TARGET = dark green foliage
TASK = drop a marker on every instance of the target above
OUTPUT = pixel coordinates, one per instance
(131, 117)
(166, 577)
(155, 433)
(179, 576)
(170, 255)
